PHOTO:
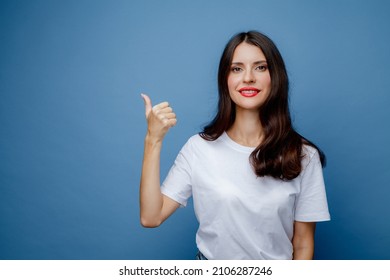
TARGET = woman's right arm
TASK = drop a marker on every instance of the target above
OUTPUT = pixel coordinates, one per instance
(154, 206)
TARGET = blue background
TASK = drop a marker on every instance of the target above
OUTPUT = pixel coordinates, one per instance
(72, 121)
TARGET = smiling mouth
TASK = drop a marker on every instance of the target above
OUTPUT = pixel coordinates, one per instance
(249, 91)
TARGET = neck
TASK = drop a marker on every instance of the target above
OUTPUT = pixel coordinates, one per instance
(246, 129)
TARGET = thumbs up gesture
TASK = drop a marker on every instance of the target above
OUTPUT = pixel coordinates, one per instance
(160, 118)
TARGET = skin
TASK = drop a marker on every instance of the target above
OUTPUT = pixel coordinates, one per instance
(249, 70)
(303, 240)
(155, 207)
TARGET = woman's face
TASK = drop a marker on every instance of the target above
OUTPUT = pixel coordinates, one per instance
(249, 81)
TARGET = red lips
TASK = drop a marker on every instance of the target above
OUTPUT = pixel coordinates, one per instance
(249, 91)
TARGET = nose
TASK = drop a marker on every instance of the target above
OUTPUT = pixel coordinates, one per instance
(249, 77)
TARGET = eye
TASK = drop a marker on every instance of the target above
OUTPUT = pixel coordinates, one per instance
(262, 67)
(235, 69)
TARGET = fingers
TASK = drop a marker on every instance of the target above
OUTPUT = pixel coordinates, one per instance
(160, 115)
(165, 110)
(162, 105)
(164, 113)
(170, 116)
(167, 117)
(148, 104)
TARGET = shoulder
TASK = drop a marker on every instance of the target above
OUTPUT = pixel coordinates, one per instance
(309, 154)
(309, 151)
(197, 144)
(193, 142)
(310, 157)
(197, 140)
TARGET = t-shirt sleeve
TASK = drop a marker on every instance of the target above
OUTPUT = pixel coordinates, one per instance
(177, 185)
(311, 204)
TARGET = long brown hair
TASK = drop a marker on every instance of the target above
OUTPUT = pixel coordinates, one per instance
(280, 153)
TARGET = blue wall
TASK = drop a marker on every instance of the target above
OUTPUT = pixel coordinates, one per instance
(72, 121)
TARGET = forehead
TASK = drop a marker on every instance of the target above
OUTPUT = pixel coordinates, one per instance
(247, 53)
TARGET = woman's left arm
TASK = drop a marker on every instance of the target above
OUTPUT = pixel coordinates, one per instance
(303, 240)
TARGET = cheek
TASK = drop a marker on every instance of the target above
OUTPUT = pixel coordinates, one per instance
(232, 82)
(266, 80)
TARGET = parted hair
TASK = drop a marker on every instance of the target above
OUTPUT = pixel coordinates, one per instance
(280, 153)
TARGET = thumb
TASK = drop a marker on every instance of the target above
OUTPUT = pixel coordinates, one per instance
(148, 104)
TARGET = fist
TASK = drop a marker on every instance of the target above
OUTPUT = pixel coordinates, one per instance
(160, 118)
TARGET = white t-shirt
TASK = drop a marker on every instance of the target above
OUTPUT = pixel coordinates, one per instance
(242, 216)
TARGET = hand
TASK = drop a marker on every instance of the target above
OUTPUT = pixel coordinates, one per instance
(160, 118)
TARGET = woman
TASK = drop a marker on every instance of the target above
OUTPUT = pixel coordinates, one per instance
(257, 185)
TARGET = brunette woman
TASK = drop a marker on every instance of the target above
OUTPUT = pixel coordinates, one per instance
(257, 185)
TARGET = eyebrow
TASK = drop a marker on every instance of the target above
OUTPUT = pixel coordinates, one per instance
(255, 63)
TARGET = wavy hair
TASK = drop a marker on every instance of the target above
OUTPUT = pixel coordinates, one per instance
(280, 153)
